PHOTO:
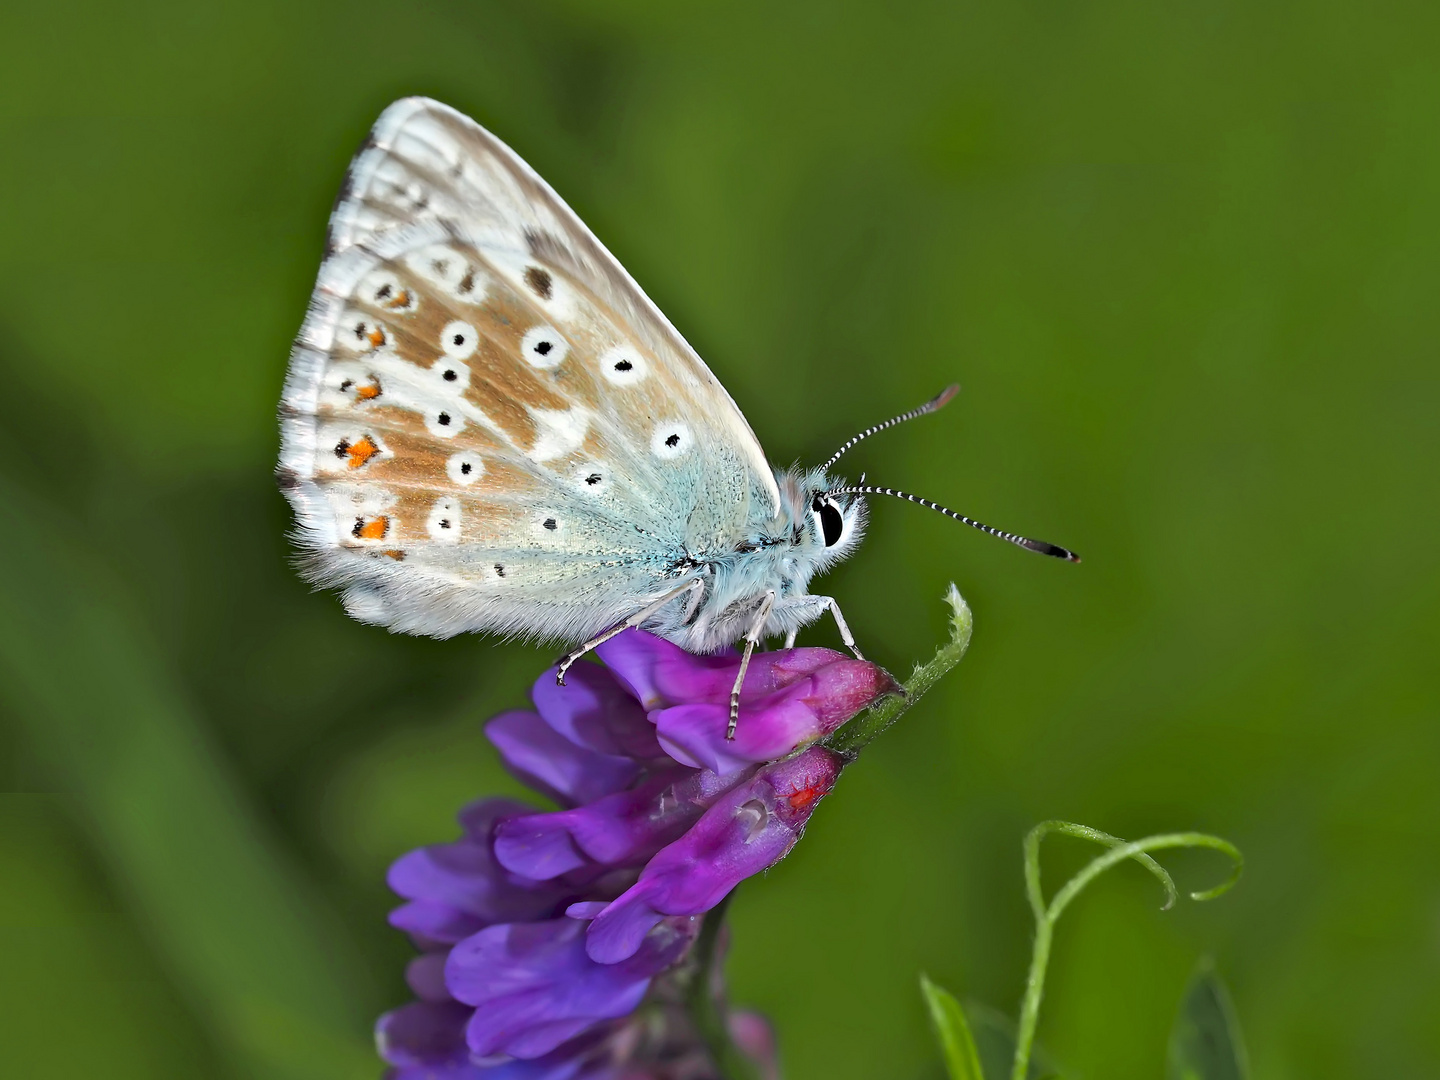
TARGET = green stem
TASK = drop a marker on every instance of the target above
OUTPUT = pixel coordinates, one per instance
(859, 732)
(1046, 915)
(708, 1009)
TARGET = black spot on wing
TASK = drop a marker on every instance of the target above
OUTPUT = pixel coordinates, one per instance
(539, 281)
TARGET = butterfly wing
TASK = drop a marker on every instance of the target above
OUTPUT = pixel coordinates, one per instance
(486, 424)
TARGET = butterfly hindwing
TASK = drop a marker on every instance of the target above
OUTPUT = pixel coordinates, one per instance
(487, 426)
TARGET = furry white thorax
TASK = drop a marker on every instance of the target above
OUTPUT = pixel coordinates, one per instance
(778, 555)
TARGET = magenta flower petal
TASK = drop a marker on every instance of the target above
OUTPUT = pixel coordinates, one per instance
(750, 828)
(538, 755)
(533, 987)
(595, 710)
(808, 707)
(661, 674)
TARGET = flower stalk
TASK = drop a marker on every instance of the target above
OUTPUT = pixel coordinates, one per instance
(860, 732)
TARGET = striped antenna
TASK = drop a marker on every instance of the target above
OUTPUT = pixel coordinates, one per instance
(933, 405)
(1054, 550)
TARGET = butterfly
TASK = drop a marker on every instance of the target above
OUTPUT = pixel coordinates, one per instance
(487, 426)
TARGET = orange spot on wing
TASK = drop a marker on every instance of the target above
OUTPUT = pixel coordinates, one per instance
(374, 529)
(369, 392)
(394, 553)
(361, 451)
(400, 300)
(376, 336)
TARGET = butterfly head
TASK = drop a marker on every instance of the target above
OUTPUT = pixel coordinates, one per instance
(823, 527)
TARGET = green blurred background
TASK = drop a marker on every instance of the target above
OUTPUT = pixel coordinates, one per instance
(1184, 259)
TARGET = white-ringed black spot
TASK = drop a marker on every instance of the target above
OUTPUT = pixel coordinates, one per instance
(450, 375)
(499, 570)
(444, 523)
(671, 439)
(383, 292)
(458, 339)
(593, 479)
(543, 347)
(464, 468)
(623, 365)
(342, 448)
(551, 524)
(443, 419)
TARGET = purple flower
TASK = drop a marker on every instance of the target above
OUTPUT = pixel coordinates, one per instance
(752, 827)
(542, 932)
(789, 698)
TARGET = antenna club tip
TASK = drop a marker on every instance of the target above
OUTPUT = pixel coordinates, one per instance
(945, 396)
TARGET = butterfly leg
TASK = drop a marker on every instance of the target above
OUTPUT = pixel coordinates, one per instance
(845, 635)
(751, 640)
(790, 638)
(639, 617)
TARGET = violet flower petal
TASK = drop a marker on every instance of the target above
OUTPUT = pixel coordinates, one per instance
(594, 710)
(750, 828)
(619, 830)
(539, 756)
(424, 1033)
(533, 986)
(425, 975)
(458, 888)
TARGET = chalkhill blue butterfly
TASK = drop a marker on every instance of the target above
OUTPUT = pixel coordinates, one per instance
(488, 426)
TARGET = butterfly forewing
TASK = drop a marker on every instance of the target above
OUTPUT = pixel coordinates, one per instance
(487, 425)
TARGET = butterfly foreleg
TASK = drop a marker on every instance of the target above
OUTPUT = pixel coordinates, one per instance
(791, 636)
(694, 586)
(825, 603)
(752, 638)
(845, 635)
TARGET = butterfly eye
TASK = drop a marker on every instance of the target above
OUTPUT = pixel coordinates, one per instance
(832, 523)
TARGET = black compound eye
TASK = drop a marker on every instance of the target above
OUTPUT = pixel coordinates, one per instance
(831, 523)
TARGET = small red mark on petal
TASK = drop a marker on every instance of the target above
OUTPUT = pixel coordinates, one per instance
(803, 797)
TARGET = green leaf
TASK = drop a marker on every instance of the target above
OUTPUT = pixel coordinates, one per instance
(995, 1044)
(1205, 1041)
(961, 1060)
